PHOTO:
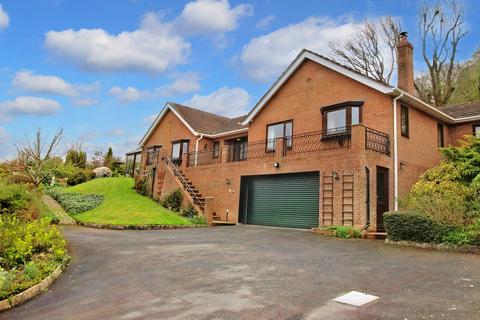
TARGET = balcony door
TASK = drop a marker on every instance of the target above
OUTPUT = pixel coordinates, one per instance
(238, 149)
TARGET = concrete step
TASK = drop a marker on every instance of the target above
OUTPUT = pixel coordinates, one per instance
(375, 235)
(223, 223)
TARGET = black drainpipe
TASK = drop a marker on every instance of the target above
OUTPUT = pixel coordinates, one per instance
(367, 173)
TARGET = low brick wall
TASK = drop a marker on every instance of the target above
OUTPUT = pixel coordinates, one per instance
(138, 227)
(434, 246)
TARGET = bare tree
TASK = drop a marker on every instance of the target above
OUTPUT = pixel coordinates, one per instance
(34, 157)
(441, 27)
(372, 50)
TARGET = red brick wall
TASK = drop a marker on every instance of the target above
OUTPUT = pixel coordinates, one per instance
(311, 87)
(459, 131)
(419, 151)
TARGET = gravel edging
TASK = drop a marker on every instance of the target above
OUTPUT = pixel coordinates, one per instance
(139, 227)
(434, 246)
(31, 292)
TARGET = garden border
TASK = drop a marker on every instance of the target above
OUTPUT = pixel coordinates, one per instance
(139, 227)
(434, 246)
(31, 292)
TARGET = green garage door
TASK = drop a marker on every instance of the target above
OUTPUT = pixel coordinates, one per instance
(281, 200)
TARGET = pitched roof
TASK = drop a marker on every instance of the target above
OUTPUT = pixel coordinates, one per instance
(207, 122)
(198, 121)
(463, 110)
(326, 62)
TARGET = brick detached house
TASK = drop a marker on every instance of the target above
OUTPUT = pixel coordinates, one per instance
(324, 146)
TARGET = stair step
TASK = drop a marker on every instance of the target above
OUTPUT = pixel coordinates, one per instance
(223, 223)
(375, 235)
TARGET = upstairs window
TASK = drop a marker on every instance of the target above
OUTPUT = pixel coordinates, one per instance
(178, 148)
(404, 122)
(279, 130)
(476, 130)
(440, 136)
(342, 115)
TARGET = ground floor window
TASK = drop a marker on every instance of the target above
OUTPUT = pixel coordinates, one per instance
(476, 130)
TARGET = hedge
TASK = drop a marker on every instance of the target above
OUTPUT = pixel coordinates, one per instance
(412, 226)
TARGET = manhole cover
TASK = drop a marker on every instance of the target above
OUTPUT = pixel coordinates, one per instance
(355, 298)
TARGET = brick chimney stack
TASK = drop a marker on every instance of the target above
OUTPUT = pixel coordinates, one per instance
(405, 64)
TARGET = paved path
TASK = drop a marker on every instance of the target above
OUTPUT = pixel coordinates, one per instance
(246, 272)
(58, 210)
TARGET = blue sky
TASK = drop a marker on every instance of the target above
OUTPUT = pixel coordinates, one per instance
(102, 69)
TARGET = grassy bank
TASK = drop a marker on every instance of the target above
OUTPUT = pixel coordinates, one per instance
(122, 205)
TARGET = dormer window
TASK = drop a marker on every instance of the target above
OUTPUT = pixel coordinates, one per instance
(342, 115)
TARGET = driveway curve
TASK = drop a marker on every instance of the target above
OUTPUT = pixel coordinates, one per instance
(247, 272)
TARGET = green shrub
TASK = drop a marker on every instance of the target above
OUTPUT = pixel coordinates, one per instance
(75, 202)
(78, 177)
(189, 211)
(347, 232)
(141, 187)
(174, 200)
(444, 201)
(412, 226)
(13, 198)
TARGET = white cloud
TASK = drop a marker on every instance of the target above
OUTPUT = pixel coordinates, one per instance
(84, 102)
(129, 94)
(4, 19)
(35, 83)
(156, 46)
(267, 56)
(29, 106)
(265, 22)
(225, 101)
(153, 48)
(183, 83)
(210, 16)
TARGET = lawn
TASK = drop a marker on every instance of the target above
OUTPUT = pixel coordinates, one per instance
(122, 205)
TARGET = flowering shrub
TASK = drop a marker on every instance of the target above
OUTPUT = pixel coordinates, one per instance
(29, 251)
(102, 172)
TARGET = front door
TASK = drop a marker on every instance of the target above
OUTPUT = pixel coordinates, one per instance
(382, 196)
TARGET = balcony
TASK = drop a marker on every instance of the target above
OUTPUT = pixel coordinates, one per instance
(304, 144)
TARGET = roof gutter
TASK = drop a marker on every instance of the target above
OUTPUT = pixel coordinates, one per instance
(223, 134)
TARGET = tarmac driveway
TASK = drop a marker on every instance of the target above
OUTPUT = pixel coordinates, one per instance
(247, 272)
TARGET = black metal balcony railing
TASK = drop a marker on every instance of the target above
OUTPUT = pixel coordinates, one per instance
(299, 144)
(250, 150)
(203, 157)
(318, 141)
(377, 141)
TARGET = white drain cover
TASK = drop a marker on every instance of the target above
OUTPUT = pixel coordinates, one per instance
(355, 298)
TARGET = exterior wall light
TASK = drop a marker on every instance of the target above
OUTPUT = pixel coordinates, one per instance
(228, 181)
(335, 175)
(403, 164)
(276, 165)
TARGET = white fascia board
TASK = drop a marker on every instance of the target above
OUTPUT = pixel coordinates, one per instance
(159, 118)
(326, 63)
(223, 134)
